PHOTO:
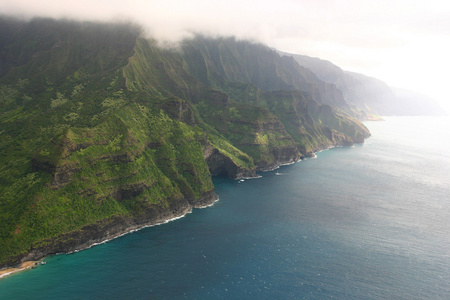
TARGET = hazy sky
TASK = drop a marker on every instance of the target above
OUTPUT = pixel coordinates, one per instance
(403, 42)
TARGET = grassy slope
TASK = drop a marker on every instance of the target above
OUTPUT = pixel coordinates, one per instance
(96, 122)
(78, 146)
(50, 87)
(160, 74)
(253, 74)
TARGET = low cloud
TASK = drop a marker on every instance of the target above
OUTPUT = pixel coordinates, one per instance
(337, 21)
(359, 35)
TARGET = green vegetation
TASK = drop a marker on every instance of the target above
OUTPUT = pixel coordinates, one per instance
(97, 122)
(82, 148)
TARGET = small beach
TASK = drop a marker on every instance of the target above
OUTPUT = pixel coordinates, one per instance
(25, 265)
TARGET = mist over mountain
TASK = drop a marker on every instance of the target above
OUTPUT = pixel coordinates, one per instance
(369, 95)
(103, 131)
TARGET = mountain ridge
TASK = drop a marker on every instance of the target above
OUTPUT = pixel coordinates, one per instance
(102, 131)
(369, 96)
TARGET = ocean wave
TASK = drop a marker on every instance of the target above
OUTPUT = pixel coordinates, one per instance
(9, 273)
(24, 266)
(255, 177)
(242, 179)
(207, 205)
(137, 229)
(290, 163)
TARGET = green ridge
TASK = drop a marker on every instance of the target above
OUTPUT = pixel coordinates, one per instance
(98, 123)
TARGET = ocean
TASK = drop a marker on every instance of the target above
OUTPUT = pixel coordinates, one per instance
(365, 222)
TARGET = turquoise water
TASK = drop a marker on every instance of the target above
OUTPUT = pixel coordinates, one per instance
(367, 222)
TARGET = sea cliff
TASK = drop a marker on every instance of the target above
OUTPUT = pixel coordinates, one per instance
(104, 132)
(110, 228)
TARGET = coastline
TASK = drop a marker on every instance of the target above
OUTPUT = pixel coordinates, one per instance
(33, 258)
(107, 230)
(24, 266)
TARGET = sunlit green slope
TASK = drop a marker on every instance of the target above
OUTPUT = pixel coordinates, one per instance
(102, 131)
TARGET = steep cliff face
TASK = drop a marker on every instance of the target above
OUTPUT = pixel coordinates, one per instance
(103, 132)
(252, 129)
(221, 164)
(110, 228)
(256, 132)
(80, 149)
(253, 74)
(221, 62)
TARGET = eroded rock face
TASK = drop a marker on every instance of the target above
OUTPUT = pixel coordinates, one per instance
(338, 138)
(131, 191)
(220, 164)
(179, 110)
(285, 155)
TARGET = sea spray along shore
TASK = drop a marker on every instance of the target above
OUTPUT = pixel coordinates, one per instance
(116, 227)
(143, 227)
(100, 136)
(146, 226)
(109, 237)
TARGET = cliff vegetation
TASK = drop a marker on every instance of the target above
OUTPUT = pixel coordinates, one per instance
(103, 131)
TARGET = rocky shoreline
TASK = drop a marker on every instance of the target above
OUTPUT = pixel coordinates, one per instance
(116, 226)
(108, 229)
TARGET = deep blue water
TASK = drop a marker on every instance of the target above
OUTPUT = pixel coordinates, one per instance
(366, 222)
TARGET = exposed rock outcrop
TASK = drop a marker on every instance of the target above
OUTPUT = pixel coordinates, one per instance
(338, 138)
(285, 155)
(179, 110)
(220, 164)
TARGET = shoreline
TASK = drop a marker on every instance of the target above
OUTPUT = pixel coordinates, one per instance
(24, 266)
(29, 264)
